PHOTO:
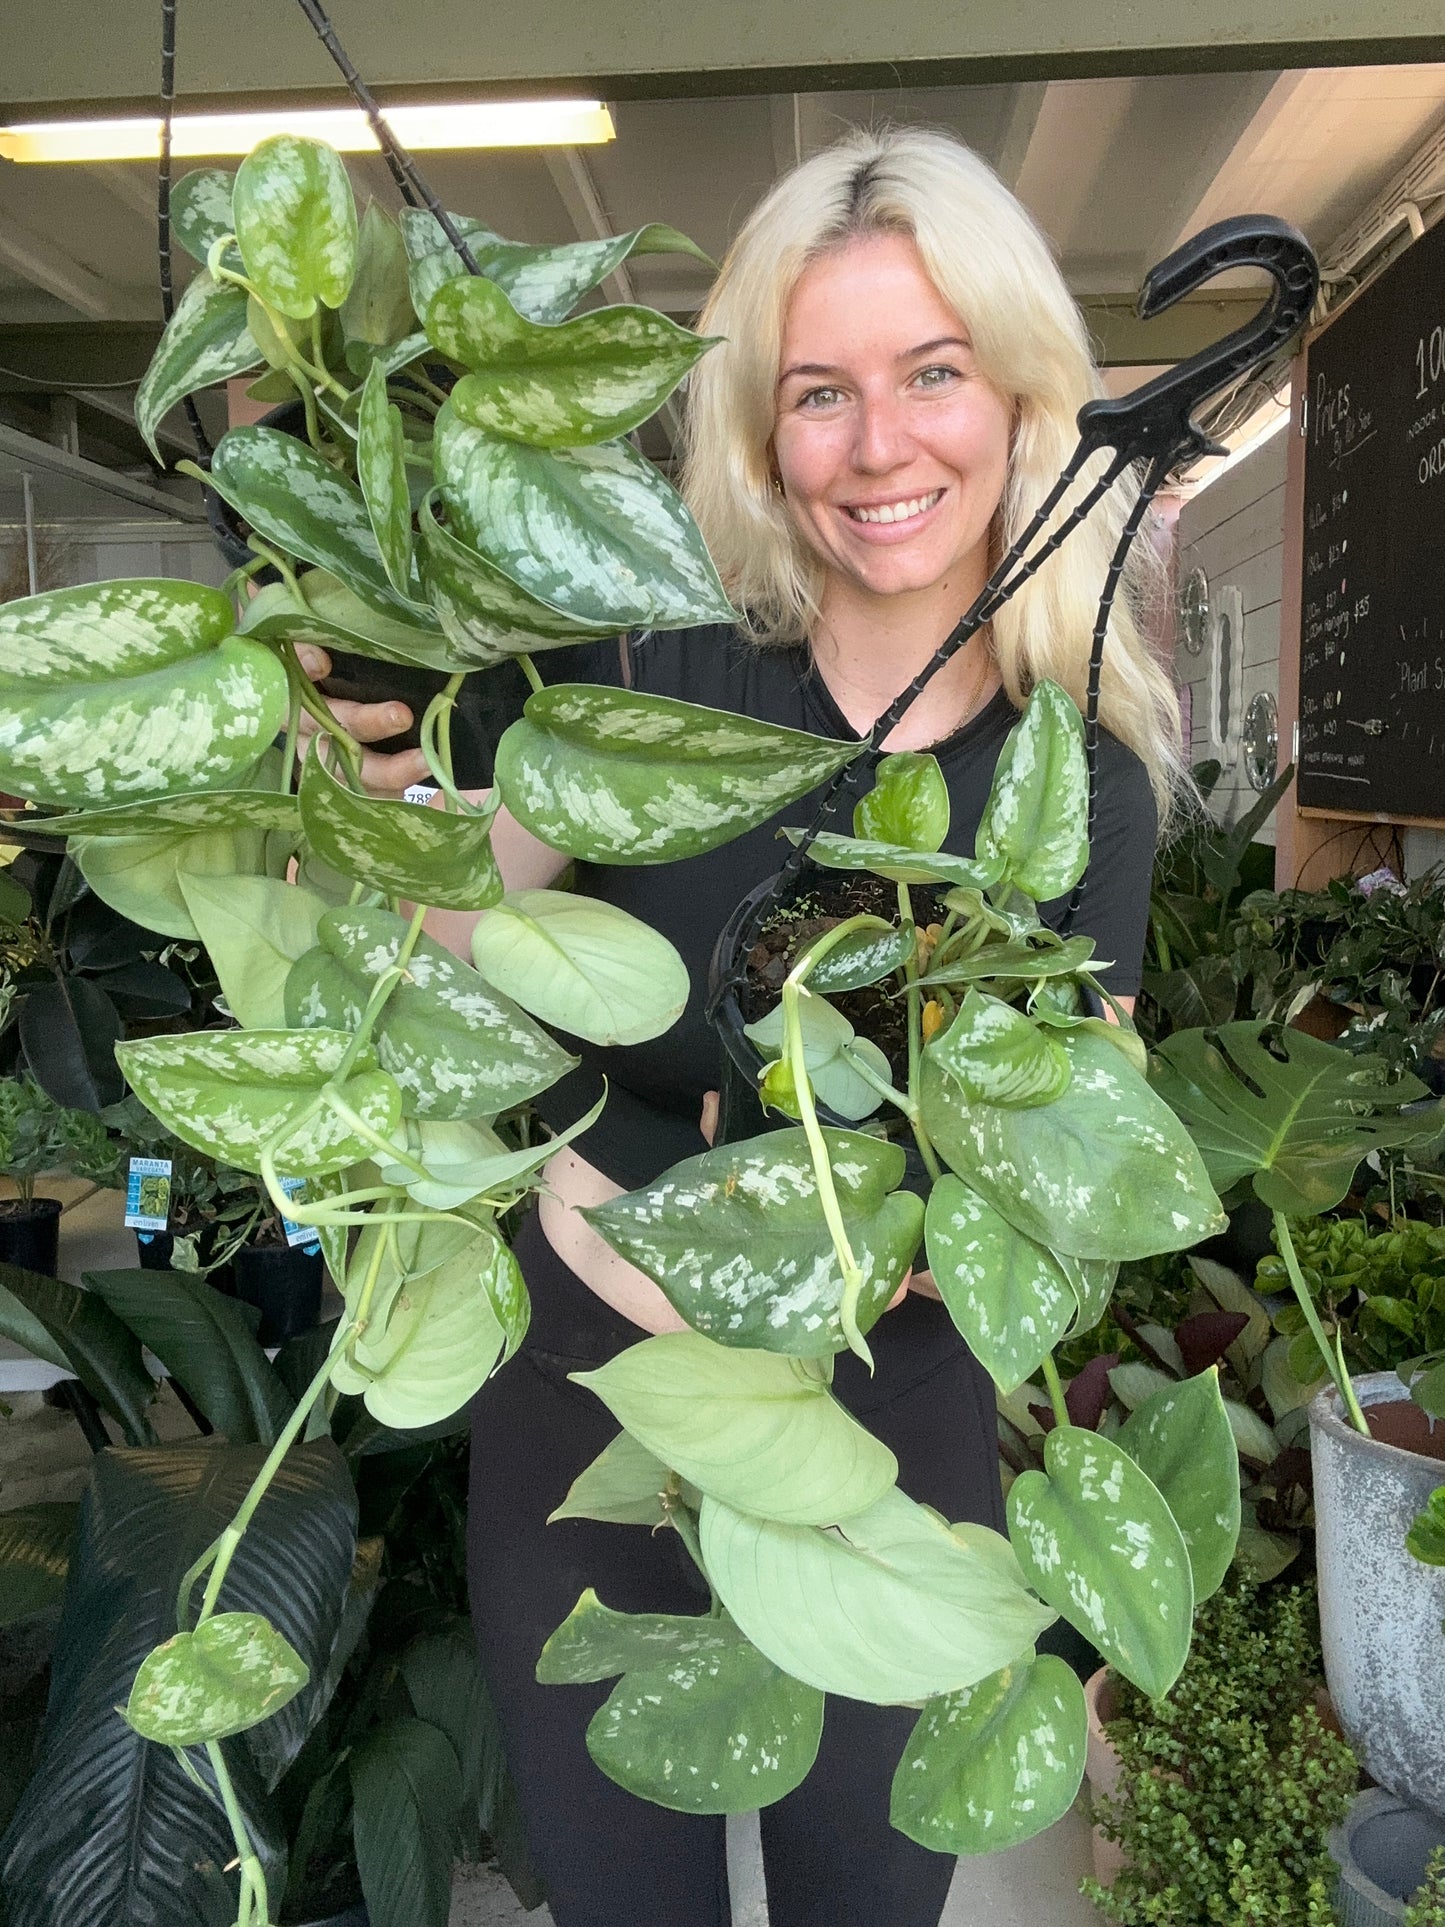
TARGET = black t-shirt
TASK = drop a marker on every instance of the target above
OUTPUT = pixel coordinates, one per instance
(656, 1089)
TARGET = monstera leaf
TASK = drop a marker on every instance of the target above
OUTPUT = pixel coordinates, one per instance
(121, 690)
(1291, 1113)
(737, 1240)
(614, 776)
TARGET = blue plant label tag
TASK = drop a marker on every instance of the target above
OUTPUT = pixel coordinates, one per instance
(298, 1234)
(148, 1194)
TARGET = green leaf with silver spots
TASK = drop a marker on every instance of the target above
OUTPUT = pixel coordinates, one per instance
(897, 864)
(1181, 1437)
(296, 224)
(995, 1764)
(581, 964)
(456, 1047)
(322, 610)
(201, 210)
(205, 341)
(233, 1093)
(762, 1432)
(1097, 1540)
(865, 956)
(381, 471)
(908, 804)
(595, 532)
(1105, 1171)
(1008, 1295)
(997, 1056)
(1035, 823)
(1040, 957)
(401, 849)
(889, 1606)
(483, 613)
(557, 385)
(238, 809)
(614, 776)
(738, 1243)
(543, 283)
(231, 1673)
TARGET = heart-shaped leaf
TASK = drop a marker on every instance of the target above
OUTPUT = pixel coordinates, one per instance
(737, 1240)
(401, 849)
(995, 1764)
(581, 964)
(830, 1606)
(127, 689)
(762, 1432)
(377, 316)
(1097, 1540)
(865, 956)
(1008, 1295)
(543, 283)
(381, 471)
(484, 614)
(832, 1054)
(191, 810)
(1180, 1436)
(205, 341)
(622, 1486)
(140, 876)
(594, 1642)
(557, 385)
(296, 223)
(898, 864)
(908, 804)
(1036, 820)
(201, 210)
(231, 1673)
(254, 929)
(1105, 1171)
(233, 1093)
(997, 1055)
(614, 776)
(323, 610)
(595, 532)
(1290, 1112)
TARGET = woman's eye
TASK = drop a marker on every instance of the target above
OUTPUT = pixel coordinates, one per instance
(936, 377)
(819, 398)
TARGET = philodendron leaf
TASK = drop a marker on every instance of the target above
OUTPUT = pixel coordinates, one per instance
(254, 929)
(231, 1673)
(117, 690)
(830, 1606)
(761, 1432)
(401, 849)
(206, 341)
(996, 1763)
(1290, 1112)
(1037, 958)
(581, 964)
(140, 876)
(614, 776)
(832, 1053)
(1181, 1438)
(1105, 1171)
(623, 1486)
(1035, 822)
(595, 532)
(997, 1055)
(700, 1721)
(381, 471)
(543, 283)
(323, 610)
(737, 1240)
(1008, 1295)
(557, 385)
(293, 497)
(1092, 1282)
(296, 224)
(908, 805)
(238, 809)
(866, 956)
(201, 210)
(485, 615)
(377, 314)
(1097, 1540)
(456, 1047)
(231, 1093)
(897, 863)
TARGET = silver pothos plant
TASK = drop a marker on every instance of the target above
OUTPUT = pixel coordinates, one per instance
(465, 494)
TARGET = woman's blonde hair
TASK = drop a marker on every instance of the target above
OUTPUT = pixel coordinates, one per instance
(995, 269)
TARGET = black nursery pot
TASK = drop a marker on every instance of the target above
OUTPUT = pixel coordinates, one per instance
(283, 1282)
(30, 1234)
(740, 1109)
(155, 1251)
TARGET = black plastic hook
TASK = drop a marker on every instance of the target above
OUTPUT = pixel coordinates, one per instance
(1157, 419)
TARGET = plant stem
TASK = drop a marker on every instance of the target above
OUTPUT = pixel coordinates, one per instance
(529, 670)
(1333, 1365)
(915, 1042)
(1056, 1391)
(436, 745)
(293, 724)
(253, 1878)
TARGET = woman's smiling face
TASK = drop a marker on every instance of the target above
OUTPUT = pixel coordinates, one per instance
(892, 448)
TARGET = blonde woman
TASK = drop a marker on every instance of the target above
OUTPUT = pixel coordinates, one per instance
(896, 391)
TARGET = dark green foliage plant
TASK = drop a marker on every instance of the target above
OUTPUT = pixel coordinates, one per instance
(1231, 1782)
(1427, 1908)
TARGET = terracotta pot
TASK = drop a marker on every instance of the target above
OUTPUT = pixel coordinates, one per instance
(1380, 1608)
(1102, 1767)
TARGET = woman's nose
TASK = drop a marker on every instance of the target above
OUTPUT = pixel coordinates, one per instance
(882, 438)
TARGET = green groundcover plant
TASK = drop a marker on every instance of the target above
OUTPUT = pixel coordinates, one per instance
(465, 496)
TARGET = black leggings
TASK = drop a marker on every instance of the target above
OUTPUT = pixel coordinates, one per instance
(608, 1859)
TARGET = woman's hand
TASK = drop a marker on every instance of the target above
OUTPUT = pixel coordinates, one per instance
(368, 723)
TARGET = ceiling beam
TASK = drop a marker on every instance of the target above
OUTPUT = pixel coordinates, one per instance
(49, 355)
(39, 261)
(1018, 133)
(1233, 129)
(1122, 340)
(28, 451)
(632, 48)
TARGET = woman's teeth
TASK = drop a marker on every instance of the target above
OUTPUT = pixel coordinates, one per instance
(896, 511)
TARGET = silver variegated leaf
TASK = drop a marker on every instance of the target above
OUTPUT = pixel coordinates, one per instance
(1036, 820)
(997, 1055)
(1181, 1437)
(381, 471)
(191, 810)
(377, 315)
(201, 210)
(231, 1673)
(484, 614)
(323, 611)
(296, 224)
(206, 341)
(401, 849)
(898, 864)
(1008, 1295)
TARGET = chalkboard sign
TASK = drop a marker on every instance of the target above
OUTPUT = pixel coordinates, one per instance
(1372, 641)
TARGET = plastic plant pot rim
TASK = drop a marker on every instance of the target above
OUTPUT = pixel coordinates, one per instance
(1363, 1903)
(1371, 1388)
